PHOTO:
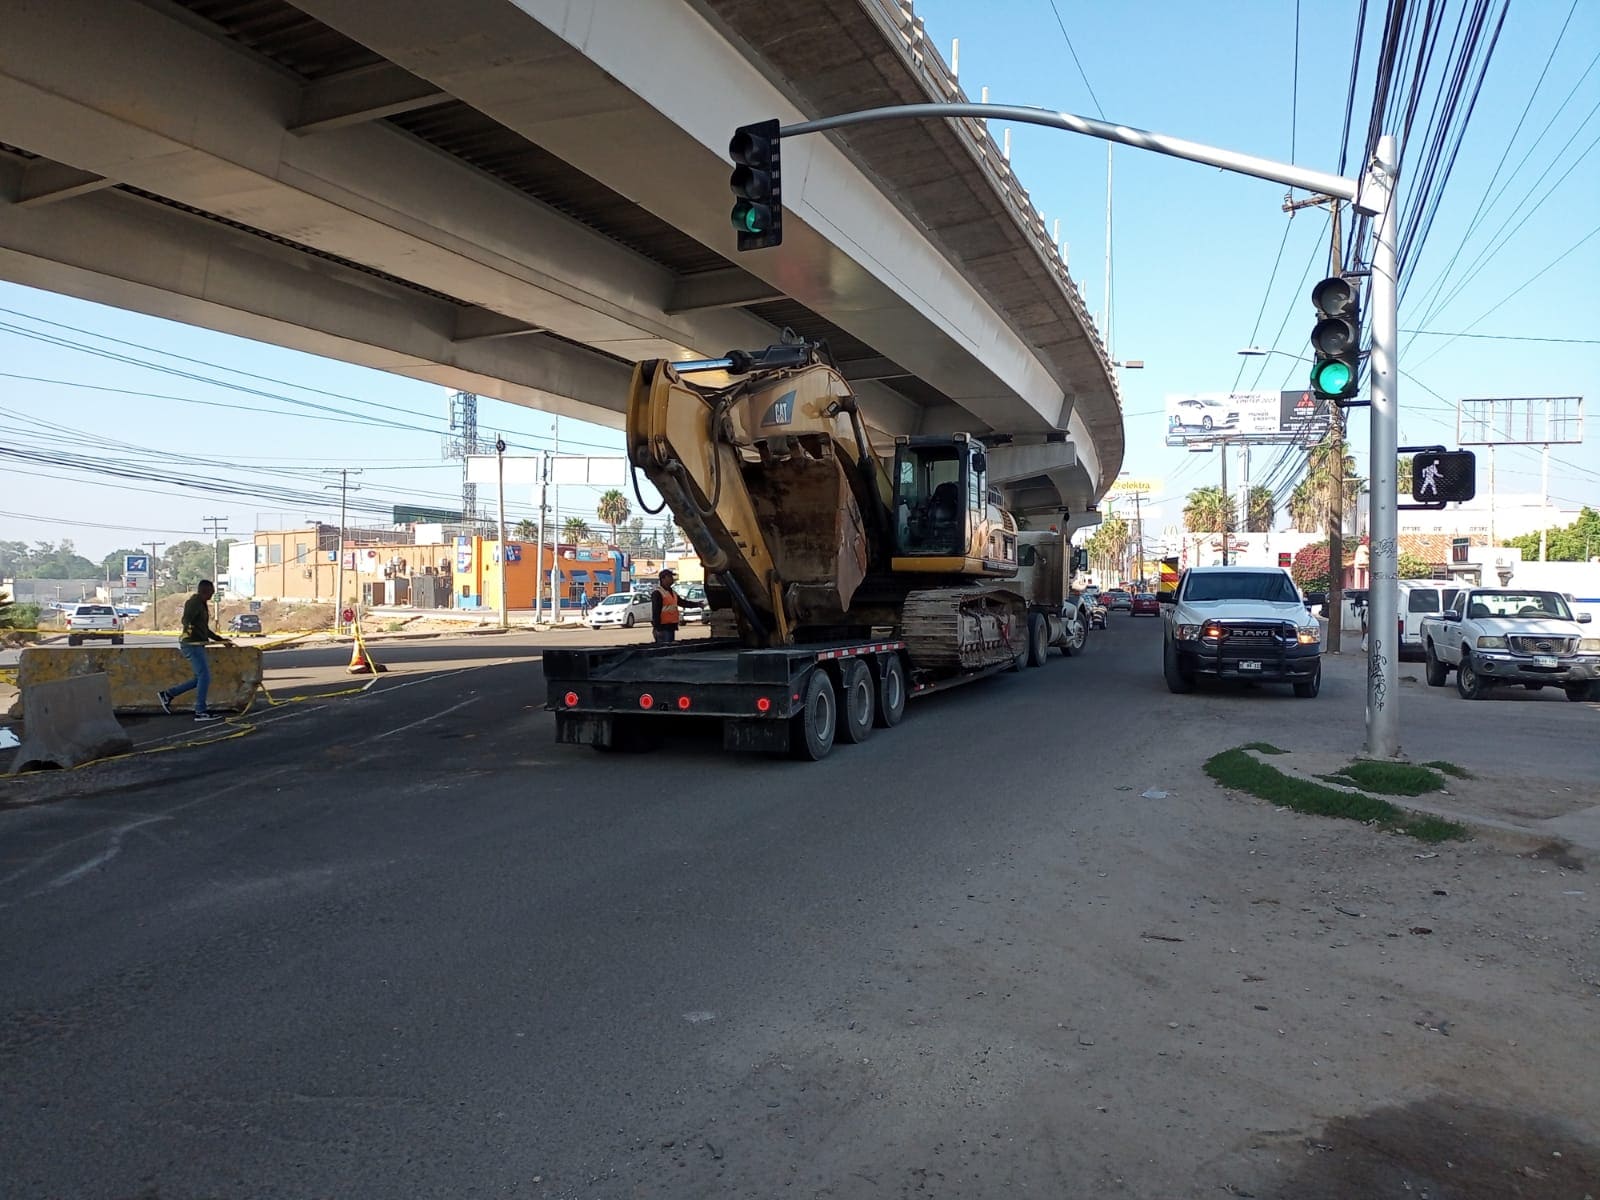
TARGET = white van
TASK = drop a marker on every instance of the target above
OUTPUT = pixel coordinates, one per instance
(1422, 598)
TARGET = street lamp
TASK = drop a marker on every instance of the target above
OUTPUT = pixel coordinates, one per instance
(1131, 364)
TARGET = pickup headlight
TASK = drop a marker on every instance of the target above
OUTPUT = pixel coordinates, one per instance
(1188, 633)
(1486, 642)
(1590, 645)
(1309, 635)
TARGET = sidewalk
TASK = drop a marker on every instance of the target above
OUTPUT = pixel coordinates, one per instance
(1534, 756)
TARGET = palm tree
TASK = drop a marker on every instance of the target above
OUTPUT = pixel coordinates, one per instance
(527, 531)
(1306, 509)
(1403, 474)
(613, 510)
(1261, 509)
(1108, 545)
(575, 529)
(1209, 510)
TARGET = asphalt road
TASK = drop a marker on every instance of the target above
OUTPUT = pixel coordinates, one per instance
(404, 945)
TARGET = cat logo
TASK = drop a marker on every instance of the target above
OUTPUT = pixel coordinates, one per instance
(780, 412)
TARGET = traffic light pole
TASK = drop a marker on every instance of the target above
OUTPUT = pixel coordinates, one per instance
(1383, 604)
(1372, 195)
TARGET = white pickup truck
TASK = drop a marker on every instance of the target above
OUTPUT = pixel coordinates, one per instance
(93, 621)
(1501, 636)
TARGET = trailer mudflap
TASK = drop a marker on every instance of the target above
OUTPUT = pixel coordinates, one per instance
(585, 729)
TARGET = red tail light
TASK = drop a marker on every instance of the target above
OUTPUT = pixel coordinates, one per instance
(647, 701)
(570, 699)
(683, 702)
(763, 705)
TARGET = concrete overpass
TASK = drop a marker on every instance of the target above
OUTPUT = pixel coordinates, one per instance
(522, 197)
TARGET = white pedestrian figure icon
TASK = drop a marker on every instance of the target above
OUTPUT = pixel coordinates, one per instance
(1430, 479)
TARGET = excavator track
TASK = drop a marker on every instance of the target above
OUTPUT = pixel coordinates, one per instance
(954, 629)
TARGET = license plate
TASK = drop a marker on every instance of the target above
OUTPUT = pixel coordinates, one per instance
(1250, 664)
(1545, 660)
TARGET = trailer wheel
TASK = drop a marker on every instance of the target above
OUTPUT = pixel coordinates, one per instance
(811, 734)
(857, 701)
(1038, 646)
(891, 698)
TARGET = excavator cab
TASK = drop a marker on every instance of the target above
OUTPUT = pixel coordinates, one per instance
(947, 518)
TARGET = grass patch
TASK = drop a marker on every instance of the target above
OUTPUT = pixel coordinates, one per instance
(1237, 769)
(1262, 748)
(394, 626)
(1393, 779)
(1450, 768)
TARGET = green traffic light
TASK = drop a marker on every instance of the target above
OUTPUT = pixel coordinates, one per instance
(750, 217)
(1331, 378)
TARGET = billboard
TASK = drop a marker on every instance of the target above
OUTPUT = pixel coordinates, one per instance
(1248, 416)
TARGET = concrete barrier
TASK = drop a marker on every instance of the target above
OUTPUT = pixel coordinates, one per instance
(136, 673)
(66, 722)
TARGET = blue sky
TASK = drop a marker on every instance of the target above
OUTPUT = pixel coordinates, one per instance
(1194, 253)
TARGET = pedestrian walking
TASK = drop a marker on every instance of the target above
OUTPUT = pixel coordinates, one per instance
(196, 635)
(583, 600)
(664, 605)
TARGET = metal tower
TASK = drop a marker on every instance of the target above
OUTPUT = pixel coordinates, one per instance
(461, 442)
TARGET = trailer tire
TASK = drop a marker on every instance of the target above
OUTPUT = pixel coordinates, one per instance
(890, 703)
(858, 701)
(811, 734)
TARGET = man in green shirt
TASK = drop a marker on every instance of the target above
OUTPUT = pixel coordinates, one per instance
(196, 635)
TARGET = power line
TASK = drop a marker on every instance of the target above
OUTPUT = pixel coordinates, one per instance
(1073, 51)
(1504, 337)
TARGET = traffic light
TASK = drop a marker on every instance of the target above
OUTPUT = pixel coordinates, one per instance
(757, 183)
(1439, 476)
(1336, 339)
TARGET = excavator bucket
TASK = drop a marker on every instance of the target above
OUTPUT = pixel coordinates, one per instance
(812, 524)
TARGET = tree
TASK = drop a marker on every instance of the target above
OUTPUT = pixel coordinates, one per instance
(1262, 508)
(613, 510)
(186, 563)
(1577, 542)
(1209, 510)
(1303, 508)
(1312, 499)
(45, 560)
(1310, 568)
(575, 529)
(1108, 545)
(1412, 567)
(527, 531)
(1403, 475)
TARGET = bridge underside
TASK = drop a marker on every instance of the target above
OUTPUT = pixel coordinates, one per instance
(482, 196)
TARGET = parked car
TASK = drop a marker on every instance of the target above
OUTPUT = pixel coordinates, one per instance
(1421, 598)
(93, 621)
(1499, 636)
(246, 623)
(1117, 600)
(689, 614)
(1145, 604)
(626, 609)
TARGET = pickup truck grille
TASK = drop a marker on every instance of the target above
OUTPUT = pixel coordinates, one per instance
(1241, 637)
(1526, 643)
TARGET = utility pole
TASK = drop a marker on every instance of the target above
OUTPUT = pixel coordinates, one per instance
(555, 535)
(155, 586)
(215, 526)
(1544, 500)
(500, 488)
(343, 485)
(538, 561)
(1227, 525)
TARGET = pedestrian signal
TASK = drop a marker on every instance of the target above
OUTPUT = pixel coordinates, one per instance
(1444, 476)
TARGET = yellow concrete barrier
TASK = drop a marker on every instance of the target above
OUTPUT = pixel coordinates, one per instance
(137, 673)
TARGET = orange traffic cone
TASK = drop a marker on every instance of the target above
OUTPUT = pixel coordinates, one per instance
(362, 662)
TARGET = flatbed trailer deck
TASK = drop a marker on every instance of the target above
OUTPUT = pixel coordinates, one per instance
(796, 699)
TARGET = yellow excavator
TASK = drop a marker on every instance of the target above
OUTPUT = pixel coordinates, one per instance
(805, 533)
(839, 582)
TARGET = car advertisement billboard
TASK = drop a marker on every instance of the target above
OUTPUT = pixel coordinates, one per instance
(1207, 416)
